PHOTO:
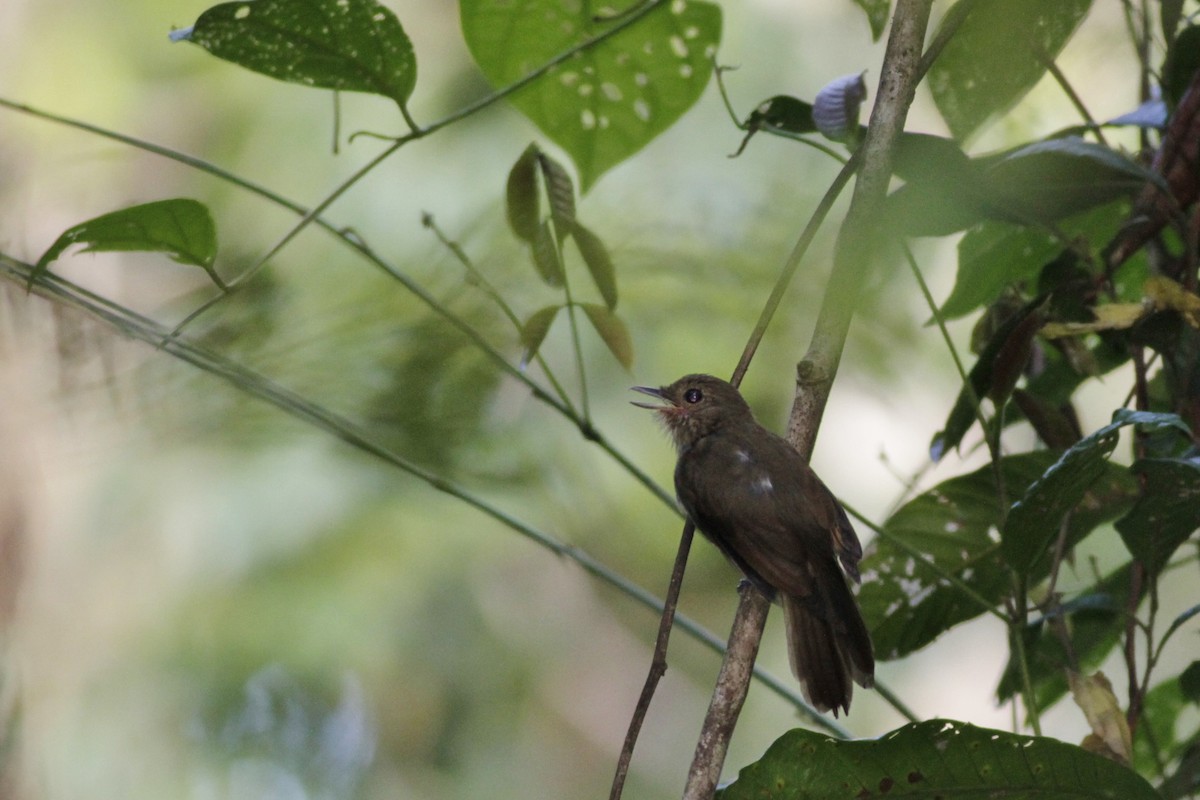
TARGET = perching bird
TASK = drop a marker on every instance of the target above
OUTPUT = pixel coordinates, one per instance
(756, 499)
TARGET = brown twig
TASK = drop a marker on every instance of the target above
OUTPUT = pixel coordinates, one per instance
(658, 663)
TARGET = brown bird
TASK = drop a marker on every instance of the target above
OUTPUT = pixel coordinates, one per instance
(755, 498)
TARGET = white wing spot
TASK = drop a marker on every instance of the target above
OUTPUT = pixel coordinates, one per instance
(762, 484)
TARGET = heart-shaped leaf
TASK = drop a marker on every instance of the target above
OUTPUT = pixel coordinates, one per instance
(608, 100)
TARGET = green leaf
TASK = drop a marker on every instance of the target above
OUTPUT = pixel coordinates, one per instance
(907, 604)
(997, 55)
(546, 255)
(1168, 511)
(561, 192)
(783, 112)
(981, 381)
(595, 255)
(522, 201)
(1034, 521)
(936, 758)
(349, 45)
(1095, 620)
(612, 330)
(877, 15)
(1056, 178)
(181, 228)
(994, 254)
(609, 100)
(534, 331)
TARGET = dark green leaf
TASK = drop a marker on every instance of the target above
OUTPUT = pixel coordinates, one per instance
(993, 254)
(608, 101)
(1161, 709)
(534, 331)
(595, 255)
(997, 55)
(783, 112)
(1167, 513)
(1034, 521)
(1057, 178)
(1057, 429)
(906, 603)
(1189, 679)
(1169, 15)
(181, 228)
(523, 203)
(1183, 59)
(349, 45)
(612, 330)
(561, 192)
(932, 759)
(1184, 782)
(1095, 622)
(546, 255)
(877, 15)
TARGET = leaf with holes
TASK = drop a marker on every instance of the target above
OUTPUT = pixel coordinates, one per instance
(608, 100)
(349, 45)
(997, 55)
(612, 330)
(181, 228)
(935, 758)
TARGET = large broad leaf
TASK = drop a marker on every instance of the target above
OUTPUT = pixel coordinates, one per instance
(609, 100)
(908, 604)
(350, 45)
(1034, 521)
(1052, 179)
(181, 228)
(993, 254)
(934, 759)
(997, 55)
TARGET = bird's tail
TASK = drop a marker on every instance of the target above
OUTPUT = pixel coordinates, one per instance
(828, 643)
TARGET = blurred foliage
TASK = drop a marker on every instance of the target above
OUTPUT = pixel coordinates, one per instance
(251, 612)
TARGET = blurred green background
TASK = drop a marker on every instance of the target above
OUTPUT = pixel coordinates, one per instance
(214, 600)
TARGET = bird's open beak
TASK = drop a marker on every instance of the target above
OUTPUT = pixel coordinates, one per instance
(653, 392)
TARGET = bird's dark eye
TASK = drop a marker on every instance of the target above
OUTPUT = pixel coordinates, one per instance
(693, 396)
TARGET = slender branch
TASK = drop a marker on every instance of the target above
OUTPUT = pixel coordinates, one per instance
(733, 681)
(658, 663)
